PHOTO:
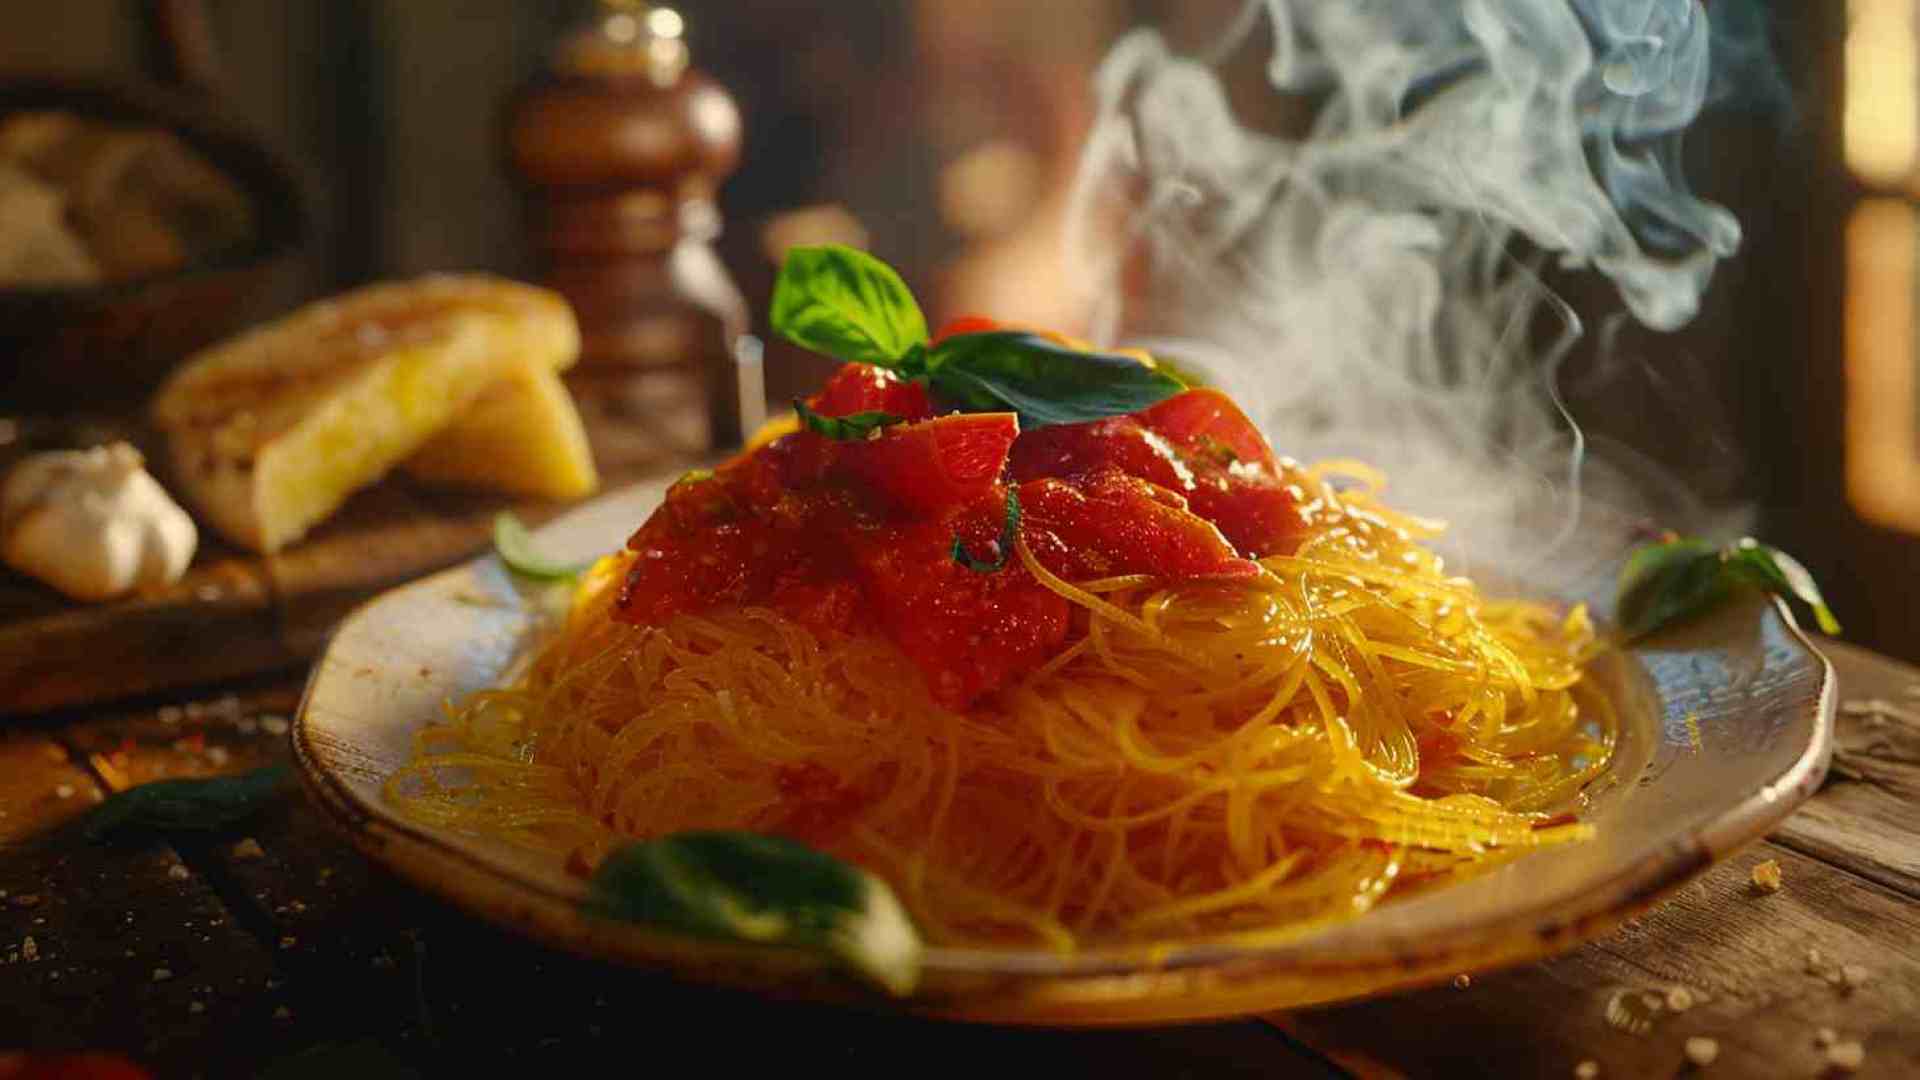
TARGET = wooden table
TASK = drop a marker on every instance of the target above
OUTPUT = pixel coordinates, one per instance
(210, 956)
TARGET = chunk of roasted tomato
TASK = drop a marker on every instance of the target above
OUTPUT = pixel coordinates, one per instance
(968, 632)
(1106, 523)
(1197, 444)
(934, 466)
(859, 388)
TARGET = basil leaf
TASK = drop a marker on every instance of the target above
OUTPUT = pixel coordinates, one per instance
(173, 805)
(764, 889)
(1781, 574)
(514, 544)
(847, 304)
(1009, 536)
(843, 428)
(1666, 582)
(1046, 383)
(1662, 583)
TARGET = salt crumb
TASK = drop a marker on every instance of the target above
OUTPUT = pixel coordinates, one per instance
(249, 849)
(217, 756)
(1587, 1070)
(283, 1013)
(1854, 976)
(1702, 1051)
(1846, 1056)
(64, 791)
(1679, 999)
(196, 1006)
(29, 949)
(273, 725)
(1766, 875)
(1814, 961)
(162, 974)
(1825, 1037)
(178, 872)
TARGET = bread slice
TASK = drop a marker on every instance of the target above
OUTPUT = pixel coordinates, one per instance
(269, 432)
(523, 437)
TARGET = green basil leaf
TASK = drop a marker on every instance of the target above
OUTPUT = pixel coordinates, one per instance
(1663, 583)
(1781, 574)
(1009, 536)
(847, 304)
(514, 544)
(1046, 383)
(764, 889)
(175, 805)
(843, 428)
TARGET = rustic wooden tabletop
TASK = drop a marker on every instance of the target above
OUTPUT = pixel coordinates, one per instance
(273, 949)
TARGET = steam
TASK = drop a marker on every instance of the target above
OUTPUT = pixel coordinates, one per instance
(1371, 285)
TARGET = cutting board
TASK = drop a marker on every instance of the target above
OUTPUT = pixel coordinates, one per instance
(236, 613)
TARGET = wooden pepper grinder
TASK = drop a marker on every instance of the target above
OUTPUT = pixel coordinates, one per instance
(621, 144)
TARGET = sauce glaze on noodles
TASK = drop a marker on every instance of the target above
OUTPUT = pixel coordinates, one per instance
(1202, 761)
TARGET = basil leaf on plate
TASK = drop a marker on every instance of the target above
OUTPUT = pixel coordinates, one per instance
(763, 889)
(1781, 574)
(1009, 536)
(1666, 582)
(842, 428)
(174, 805)
(1043, 381)
(847, 304)
(514, 544)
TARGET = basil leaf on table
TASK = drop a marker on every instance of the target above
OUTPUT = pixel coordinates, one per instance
(514, 544)
(842, 428)
(1045, 382)
(175, 805)
(762, 889)
(1667, 582)
(847, 304)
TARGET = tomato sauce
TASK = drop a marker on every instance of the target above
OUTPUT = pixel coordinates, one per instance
(859, 535)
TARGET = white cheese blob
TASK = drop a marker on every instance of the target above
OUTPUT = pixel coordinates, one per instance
(93, 523)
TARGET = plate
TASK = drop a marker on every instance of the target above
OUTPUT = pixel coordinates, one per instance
(1727, 727)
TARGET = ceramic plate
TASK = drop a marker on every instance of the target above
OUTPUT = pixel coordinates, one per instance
(1727, 728)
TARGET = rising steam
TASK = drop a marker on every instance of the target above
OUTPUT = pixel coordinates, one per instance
(1368, 284)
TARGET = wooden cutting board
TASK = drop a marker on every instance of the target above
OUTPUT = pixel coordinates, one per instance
(236, 613)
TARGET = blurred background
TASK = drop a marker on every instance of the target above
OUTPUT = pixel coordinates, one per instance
(942, 135)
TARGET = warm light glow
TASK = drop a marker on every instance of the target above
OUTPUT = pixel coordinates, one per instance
(1882, 115)
(665, 22)
(1883, 413)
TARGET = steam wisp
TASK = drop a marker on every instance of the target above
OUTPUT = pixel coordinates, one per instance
(1370, 284)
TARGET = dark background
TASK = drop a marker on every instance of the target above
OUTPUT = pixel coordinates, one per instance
(944, 130)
